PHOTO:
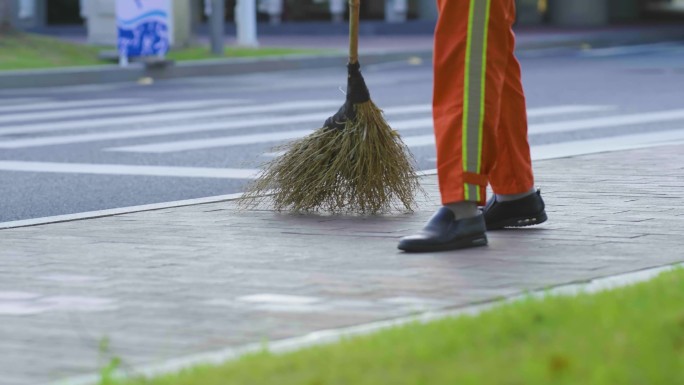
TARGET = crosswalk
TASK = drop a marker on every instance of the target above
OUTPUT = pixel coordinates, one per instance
(148, 128)
(399, 125)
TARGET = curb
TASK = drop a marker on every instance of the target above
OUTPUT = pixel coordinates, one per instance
(117, 211)
(219, 67)
(137, 209)
(552, 154)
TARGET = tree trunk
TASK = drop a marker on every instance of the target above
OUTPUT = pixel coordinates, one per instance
(5, 16)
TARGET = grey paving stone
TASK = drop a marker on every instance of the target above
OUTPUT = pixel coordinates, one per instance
(167, 283)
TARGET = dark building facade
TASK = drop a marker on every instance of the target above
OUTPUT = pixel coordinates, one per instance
(559, 12)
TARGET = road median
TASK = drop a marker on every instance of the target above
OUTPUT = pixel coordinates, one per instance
(544, 40)
(219, 67)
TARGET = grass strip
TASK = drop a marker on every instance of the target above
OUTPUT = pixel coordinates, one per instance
(20, 51)
(26, 51)
(632, 335)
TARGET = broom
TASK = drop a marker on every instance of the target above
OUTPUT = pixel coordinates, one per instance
(356, 163)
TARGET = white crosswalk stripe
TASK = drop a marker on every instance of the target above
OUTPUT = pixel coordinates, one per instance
(562, 110)
(419, 140)
(119, 110)
(29, 110)
(549, 151)
(594, 146)
(185, 129)
(574, 125)
(532, 113)
(14, 101)
(228, 141)
(251, 124)
(247, 123)
(167, 118)
(121, 169)
(233, 124)
(400, 125)
(609, 121)
(619, 143)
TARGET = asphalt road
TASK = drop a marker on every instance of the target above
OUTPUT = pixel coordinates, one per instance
(79, 149)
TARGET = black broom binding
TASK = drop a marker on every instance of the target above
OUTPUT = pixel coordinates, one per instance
(357, 93)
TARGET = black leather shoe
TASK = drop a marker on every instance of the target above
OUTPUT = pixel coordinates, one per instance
(443, 232)
(527, 211)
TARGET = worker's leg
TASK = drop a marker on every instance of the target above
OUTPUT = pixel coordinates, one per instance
(471, 57)
(471, 61)
(511, 173)
(516, 202)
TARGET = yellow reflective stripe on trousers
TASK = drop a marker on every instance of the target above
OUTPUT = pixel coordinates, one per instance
(474, 91)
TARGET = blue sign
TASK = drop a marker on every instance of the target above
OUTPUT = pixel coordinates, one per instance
(144, 27)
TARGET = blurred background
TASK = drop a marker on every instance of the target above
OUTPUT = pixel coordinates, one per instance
(327, 16)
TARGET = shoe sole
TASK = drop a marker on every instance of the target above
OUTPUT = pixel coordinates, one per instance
(520, 222)
(461, 243)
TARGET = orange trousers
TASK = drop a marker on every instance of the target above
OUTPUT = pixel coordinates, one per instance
(479, 110)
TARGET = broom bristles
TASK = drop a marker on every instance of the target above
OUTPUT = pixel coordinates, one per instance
(364, 168)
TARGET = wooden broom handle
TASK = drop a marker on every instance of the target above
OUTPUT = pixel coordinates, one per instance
(354, 11)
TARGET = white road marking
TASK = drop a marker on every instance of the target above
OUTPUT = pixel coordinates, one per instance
(148, 108)
(405, 125)
(419, 140)
(121, 169)
(8, 101)
(33, 106)
(596, 146)
(609, 144)
(409, 109)
(608, 121)
(228, 141)
(167, 118)
(17, 295)
(585, 124)
(413, 124)
(531, 113)
(233, 124)
(570, 109)
(239, 140)
(401, 125)
(149, 132)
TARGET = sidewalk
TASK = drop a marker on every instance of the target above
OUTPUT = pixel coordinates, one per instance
(374, 47)
(174, 282)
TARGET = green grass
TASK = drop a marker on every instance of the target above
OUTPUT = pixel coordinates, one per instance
(27, 51)
(23, 51)
(633, 335)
